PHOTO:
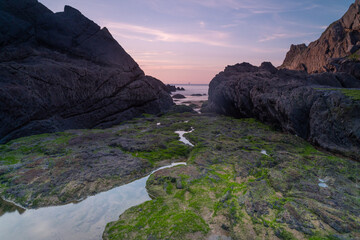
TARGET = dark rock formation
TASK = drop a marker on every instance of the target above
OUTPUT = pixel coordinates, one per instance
(314, 107)
(61, 70)
(340, 40)
(178, 96)
(170, 88)
(347, 65)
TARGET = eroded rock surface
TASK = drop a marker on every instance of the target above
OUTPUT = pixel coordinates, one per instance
(319, 108)
(242, 180)
(62, 71)
(339, 43)
(58, 168)
(245, 181)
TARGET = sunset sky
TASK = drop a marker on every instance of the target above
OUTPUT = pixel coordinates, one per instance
(182, 41)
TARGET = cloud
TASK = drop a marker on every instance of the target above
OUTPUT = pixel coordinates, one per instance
(163, 66)
(268, 50)
(276, 36)
(231, 25)
(192, 8)
(207, 37)
(257, 7)
(155, 53)
(153, 56)
(202, 24)
(174, 64)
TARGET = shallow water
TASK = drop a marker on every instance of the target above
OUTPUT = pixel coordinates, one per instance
(323, 183)
(183, 139)
(264, 152)
(83, 220)
(192, 89)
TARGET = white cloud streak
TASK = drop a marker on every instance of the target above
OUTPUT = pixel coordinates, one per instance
(207, 37)
(257, 7)
(276, 36)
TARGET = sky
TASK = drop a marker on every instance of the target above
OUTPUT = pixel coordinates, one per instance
(190, 41)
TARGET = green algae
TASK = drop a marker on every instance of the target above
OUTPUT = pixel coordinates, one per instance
(162, 141)
(354, 57)
(242, 193)
(228, 188)
(160, 221)
(172, 150)
(354, 94)
(34, 146)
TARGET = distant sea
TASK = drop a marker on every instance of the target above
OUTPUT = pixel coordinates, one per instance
(191, 89)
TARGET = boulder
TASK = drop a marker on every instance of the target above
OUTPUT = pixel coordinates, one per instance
(317, 107)
(178, 96)
(62, 71)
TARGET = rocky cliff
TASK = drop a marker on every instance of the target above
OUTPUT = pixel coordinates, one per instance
(338, 48)
(61, 70)
(323, 108)
(319, 108)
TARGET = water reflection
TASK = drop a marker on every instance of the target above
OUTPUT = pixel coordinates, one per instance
(84, 220)
(6, 207)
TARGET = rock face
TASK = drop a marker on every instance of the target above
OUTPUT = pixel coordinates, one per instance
(315, 107)
(61, 70)
(340, 40)
(319, 107)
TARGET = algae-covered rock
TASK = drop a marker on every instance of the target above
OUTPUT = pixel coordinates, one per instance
(59, 168)
(244, 180)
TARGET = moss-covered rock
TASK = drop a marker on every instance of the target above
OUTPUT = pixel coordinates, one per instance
(242, 180)
(52, 169)
(245, 181)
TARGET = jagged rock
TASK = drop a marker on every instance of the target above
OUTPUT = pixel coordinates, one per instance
(61, 70)
(170, 88)
(346, 65)
(340, 40)
(309, 106)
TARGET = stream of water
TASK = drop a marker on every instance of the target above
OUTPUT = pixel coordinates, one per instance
(84, 220)
(183, 139)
